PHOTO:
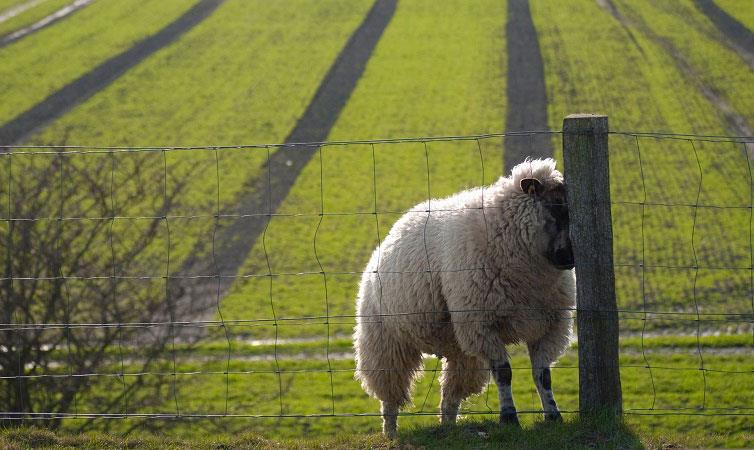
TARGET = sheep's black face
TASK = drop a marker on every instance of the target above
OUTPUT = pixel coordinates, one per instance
(559, 250)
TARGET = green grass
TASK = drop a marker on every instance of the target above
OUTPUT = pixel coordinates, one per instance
(36, 66)
(740, 10)
(400, 94)
(589, 433)
(439, 69)
(237, 95)
(657, 96)
(714, 63)
(572, 434)
(31, 16)
(304, 387)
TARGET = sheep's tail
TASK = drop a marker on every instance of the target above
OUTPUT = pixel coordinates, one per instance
(386, 367)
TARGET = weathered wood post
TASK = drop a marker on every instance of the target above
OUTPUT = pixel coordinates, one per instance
(585, 152)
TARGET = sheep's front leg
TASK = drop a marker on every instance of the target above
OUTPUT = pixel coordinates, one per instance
(540, 369)
(503, 375)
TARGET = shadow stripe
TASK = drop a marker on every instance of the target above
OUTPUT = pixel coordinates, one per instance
(739, 37)
(101, 76)
(526, 91)
(235, 240)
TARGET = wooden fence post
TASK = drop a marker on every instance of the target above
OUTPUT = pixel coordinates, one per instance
(585, 152)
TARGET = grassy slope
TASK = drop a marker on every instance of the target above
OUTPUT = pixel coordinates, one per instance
(36, 66)
(741, 10)
(31, 16)
(437, 70)
(581, 76)
(255, 80)
(722, 235)
(700, 43)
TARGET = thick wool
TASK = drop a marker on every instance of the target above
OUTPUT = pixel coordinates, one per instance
(461, 278)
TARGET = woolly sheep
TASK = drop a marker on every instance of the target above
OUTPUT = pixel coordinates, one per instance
(461, 278)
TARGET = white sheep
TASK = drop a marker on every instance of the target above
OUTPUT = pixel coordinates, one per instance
(461, 278)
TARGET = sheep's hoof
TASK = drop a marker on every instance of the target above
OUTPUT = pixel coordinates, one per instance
(553, 416)
(508, 417)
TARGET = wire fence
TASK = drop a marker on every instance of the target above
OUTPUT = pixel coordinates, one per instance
(138, 283)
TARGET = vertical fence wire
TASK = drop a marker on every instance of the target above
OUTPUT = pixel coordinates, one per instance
(745, 150)
(430, 283)
(643, 272)
(381, 317)
(696, 278)
(114, 282)
(486, 239)
(168, 297)
(324, 276)
(217, 275)
(270, 277)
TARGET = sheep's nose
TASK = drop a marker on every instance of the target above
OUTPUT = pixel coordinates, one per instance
(564, 258)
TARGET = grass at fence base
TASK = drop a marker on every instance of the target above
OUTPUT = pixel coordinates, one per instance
(681, 405)
(572, 433)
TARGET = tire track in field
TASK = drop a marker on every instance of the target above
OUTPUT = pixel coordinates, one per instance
(13, 11)
(53, 18)
(735, 122)
(526, 91)
(263, 195)
(84, 87)
(738, 37)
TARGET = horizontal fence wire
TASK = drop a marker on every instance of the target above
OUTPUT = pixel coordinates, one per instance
(130, 345)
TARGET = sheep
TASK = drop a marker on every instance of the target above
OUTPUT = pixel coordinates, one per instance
(461, 278)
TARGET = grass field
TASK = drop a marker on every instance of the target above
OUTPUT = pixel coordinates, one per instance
(253, 388)
(30, 16)
(415, 101)
(246, 74)
(659, 172)
(740, 10)
(36, 66)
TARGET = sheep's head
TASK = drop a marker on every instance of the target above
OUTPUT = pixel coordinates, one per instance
(550, 196)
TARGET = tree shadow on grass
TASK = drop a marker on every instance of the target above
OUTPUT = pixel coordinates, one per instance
(573, 433)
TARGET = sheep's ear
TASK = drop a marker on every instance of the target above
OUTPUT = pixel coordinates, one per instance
(531, 186)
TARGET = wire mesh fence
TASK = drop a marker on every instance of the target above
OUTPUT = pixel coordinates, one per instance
(168, 283)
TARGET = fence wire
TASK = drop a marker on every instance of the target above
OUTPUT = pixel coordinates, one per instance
(87, 324)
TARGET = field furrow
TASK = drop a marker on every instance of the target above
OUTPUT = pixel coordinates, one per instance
(34, 68)
(399, 94)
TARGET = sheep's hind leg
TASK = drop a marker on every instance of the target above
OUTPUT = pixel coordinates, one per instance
(503, 375)
(540, 369)
(462, 376)
(390, 419)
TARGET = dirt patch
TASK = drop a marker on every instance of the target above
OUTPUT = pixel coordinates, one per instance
(101, 76)
(234, 241)
(526, 91)
(738, 37)
(53, 18)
